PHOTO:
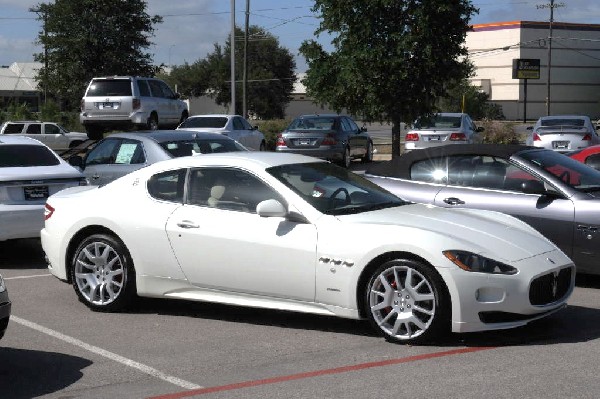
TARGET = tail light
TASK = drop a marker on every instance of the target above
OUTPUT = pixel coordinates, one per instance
(587, 137)
(280, 141)
(48, 211)
(136, 104)
(458, 137)
(411, 137)
(536, 137)
(329, 140)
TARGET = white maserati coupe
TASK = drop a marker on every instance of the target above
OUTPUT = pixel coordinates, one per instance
(291, 232)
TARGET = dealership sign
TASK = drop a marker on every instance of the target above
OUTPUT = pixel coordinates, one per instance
(526, 68)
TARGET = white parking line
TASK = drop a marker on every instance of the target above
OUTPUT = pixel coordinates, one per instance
(112, 356)
(32, 276)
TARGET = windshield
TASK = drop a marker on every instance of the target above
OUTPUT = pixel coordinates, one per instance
(205, 121)
(26, 156)
(184, 148)
(568, 170)
(439, 122)
(312, 123)
(334, 190)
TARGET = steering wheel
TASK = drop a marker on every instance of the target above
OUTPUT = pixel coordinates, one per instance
(347, 199)
(565, 176)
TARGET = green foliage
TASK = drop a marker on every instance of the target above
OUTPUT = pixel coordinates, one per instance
(499, 132)
(270, 75)
(87, 38)
(271, 128)
(392, 58)
(16, 112)
(464, 97)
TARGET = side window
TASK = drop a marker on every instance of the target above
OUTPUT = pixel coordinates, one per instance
(167, 92)
(130, 152)
(228, 189)
(352, 124)
(155, 88)
(345, 125)
(461, 169)
(14, 128)
(593, 161)
(167, 186)
(143, 88)
(103, 153)
(429, 170)
(51, 129)
(246, 124)
(34, 128)
(237, 124)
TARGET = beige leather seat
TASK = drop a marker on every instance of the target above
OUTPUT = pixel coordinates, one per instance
(216, 193)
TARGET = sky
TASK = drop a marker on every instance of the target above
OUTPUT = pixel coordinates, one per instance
(190, 28)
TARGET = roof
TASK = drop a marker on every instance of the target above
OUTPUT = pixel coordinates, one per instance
(16, 139)
(400, 166)
(170, 135)
(19, 76)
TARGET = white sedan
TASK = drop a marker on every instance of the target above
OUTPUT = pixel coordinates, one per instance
(29, 173)
(290, 232)
(233, 126)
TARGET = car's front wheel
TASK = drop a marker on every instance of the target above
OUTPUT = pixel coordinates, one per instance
(407, 302)
(346, 158)
(102, 273)
(368, 157)
(153, 122)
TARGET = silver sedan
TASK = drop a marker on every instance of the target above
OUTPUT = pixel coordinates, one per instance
(563, 133)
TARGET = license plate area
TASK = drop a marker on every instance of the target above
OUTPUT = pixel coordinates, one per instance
(303, 142)
(562, 145)
(34, 193)
(433, 138)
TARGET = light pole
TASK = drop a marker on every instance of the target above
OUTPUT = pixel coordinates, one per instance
(232, 39)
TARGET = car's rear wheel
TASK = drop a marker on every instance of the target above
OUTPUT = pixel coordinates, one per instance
(369, 154)
(346, 159)
(153, 122)
(407, 302)
(263, 146)
(102, 273)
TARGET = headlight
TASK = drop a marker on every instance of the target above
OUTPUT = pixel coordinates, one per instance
(2, 286)
(476, 263)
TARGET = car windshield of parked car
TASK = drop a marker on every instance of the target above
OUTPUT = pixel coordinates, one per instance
(12, 156)
(312, 123)
(438, 122)
(200, 146)
(205, 121)
(570, 171)
(563, 122)
(334, 190)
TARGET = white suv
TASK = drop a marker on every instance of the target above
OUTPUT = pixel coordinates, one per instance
(125, 102)
(53, 135)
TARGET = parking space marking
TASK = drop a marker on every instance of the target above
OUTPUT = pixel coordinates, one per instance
(318, 373)
(32, 276)
(102, 352)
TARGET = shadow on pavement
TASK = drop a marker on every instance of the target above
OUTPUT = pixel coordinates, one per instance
(26, 253)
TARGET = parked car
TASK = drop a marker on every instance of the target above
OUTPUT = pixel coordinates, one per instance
(333, 137)
(442, 129)
(125, 102)
(555, 194)
(122, 153)
(29, 173)
(233, 126)
(52, 134)
(563, 133)
(255, 229)
(4, 308)
(589, 156)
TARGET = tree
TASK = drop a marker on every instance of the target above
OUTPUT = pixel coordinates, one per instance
(270, 74)
(391, 60)
(464, 97)
(87, 38)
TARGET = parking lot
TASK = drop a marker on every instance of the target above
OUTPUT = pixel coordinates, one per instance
(56, 348)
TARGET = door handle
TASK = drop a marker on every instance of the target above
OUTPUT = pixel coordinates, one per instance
(454, 201)
(187, 224)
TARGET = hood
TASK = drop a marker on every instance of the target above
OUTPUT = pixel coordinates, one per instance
(61, 171)
(505, 236)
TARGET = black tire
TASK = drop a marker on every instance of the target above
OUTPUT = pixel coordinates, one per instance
(401, 313)
(369, 154)
(263, 146)
(94, 132)
(102, 273)
(346, 159)
(153, 122)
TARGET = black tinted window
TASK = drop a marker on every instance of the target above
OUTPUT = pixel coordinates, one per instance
(14, 128)
(143, 88)
(210, 121)
(103, 152)
(26, 155)
(34, 128)
(184, 148)
(168, 186)
(112, 87)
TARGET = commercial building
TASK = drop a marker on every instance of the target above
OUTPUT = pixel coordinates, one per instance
(17, 84)
(574, 67)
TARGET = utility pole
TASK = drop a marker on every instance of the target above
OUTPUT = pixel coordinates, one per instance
(551, 6)
(232, 39)
(245, 78)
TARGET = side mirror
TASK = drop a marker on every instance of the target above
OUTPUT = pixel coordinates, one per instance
(480, 129)
(363, 129)
(529, 127)
(255, 127)
(271, 208)
(533, 187)
(76, 160)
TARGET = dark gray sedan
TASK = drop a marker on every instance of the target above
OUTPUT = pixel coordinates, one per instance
(333, 137)
(122, 153)
(555, 194)
(4, 308)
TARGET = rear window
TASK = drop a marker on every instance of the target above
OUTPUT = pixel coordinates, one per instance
(193, 147)
(317, 123)
(218, 122)
(112, 87)
(13, 128)
(18, 155)
(438, 121)
(563, 122)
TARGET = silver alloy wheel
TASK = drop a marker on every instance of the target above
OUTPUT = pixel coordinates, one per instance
(402, 302)
(99, 273)
(346, 160)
